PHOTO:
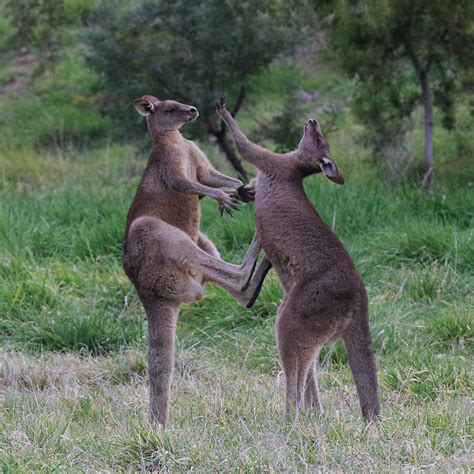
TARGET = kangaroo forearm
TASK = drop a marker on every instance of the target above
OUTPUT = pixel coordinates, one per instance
(218, 180)
(250, 151)
(192, 187)
(244, 145)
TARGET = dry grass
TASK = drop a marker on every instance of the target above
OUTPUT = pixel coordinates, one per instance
(88, 413)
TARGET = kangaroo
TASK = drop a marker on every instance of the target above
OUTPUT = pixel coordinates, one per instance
(165, 256)
(325, 297)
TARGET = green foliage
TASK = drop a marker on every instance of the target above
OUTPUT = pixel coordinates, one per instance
(285, 125)
(189, 51)
(295, 98)
(391, 47)
(38, 24)
(285, 128)
(79, 10)
(428, 378)
(6, 28)
(50, 98)
(41, 25)
(59, 108)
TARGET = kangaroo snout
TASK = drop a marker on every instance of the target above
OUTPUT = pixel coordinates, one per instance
(312, 124)
(193, 114)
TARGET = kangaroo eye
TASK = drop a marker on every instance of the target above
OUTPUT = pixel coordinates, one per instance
(170, 110)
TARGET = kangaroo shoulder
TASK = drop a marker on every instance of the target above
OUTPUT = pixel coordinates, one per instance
(193, 149)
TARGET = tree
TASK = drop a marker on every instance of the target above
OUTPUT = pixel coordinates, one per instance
(38, 24)
(404, 52)
(188, 51)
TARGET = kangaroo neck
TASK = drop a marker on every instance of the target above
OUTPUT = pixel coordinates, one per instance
(162, 137)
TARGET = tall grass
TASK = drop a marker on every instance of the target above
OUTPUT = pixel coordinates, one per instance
(63, 288)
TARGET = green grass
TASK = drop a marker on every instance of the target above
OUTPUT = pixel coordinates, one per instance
(73, 335)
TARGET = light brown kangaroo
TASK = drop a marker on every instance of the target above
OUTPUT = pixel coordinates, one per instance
(165, 255)
(325, 297)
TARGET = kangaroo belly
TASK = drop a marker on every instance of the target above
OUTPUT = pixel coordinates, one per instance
(179, 210)
(294, 237)
(282, 231)
(184, 213)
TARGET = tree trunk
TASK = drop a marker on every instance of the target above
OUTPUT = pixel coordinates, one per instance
(229, 150)
(428, 179)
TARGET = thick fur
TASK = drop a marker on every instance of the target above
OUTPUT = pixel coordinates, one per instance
(165, 255)
(325, 298)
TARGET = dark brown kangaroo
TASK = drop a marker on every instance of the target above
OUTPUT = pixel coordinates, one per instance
(165, 255)
(325, 298)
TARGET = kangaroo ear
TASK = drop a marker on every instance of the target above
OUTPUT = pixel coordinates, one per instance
(329, 168)
(144, 106)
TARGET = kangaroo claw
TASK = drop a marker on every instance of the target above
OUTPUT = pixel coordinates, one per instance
(221, 100)
(246, 194)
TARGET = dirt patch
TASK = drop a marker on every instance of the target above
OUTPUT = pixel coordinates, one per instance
(21, 70)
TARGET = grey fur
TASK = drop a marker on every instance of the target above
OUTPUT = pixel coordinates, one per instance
(325, 297)
(165, 256)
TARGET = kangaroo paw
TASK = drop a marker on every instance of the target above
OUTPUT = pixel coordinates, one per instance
(221, 101)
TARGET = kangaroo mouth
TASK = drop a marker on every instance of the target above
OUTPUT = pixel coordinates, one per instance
(311, 124)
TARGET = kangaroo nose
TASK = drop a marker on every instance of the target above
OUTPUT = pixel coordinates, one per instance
(312, 121)
(193, 110)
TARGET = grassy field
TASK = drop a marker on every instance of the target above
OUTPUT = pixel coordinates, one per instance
(73, 359)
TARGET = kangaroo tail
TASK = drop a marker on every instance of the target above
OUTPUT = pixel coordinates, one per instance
(362, 363)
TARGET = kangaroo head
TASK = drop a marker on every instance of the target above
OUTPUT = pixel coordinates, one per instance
(164, 115)
(313, 151)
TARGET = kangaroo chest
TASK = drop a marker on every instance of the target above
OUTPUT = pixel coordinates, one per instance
(294, 237)
(277, 229)
(156, 198)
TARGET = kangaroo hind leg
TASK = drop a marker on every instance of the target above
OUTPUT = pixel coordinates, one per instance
(311, 393)
(362, 363)
(162, 316)
(230, 277)
(297, 352)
